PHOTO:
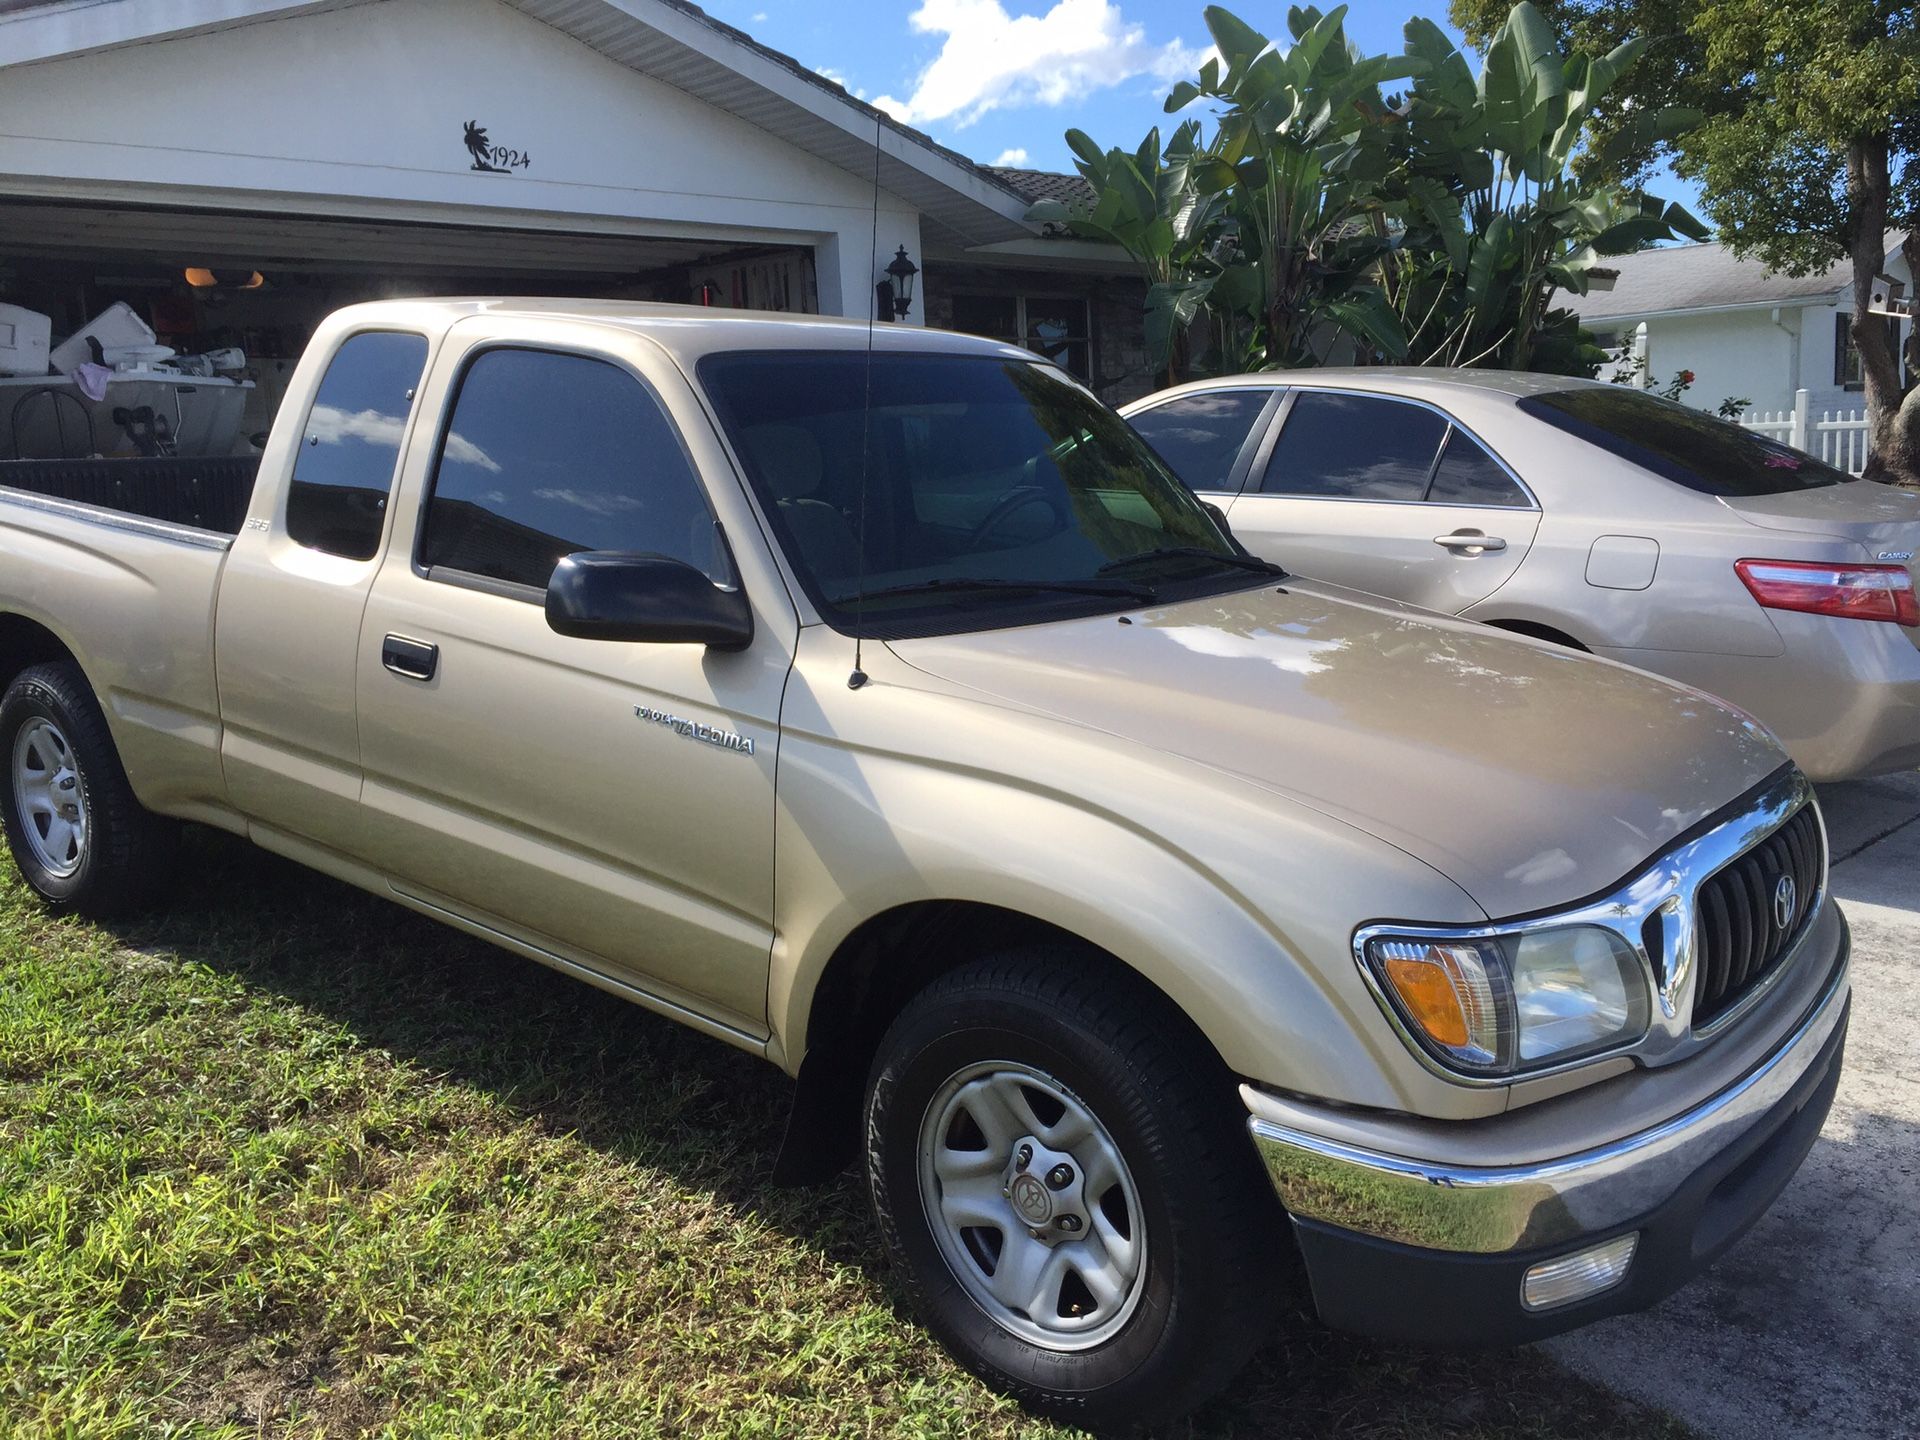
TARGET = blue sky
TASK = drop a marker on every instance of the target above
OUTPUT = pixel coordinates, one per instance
(1002, 80)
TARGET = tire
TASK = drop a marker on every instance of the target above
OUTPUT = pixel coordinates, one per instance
(78, 835)
(1144, 1118)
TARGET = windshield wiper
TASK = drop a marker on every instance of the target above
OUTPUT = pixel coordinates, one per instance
(1115, 589)
(1196, 552)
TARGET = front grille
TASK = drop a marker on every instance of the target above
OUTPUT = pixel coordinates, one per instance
(1738, 934)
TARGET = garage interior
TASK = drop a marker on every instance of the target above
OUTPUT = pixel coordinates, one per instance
(206, 281)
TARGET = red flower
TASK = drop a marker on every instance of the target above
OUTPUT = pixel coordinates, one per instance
(1686, 377)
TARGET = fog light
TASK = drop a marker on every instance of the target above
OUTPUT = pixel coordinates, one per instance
(1576, 1276)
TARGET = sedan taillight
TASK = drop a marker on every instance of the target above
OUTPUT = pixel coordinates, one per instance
(1852, 592)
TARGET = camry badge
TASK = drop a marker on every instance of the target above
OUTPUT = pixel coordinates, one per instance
(1896, 554)
(1784, 894)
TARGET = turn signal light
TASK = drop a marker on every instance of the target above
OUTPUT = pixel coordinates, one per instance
(1851, 592)
(1576, 1276)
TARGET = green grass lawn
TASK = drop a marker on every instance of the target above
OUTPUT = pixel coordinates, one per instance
(289, 1160)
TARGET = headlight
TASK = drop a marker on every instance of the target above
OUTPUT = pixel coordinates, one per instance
(1500, 1005)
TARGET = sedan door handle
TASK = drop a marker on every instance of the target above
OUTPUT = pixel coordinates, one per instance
(1470, 540)
(414, 659)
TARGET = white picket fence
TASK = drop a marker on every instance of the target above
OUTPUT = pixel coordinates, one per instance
(1840, 440)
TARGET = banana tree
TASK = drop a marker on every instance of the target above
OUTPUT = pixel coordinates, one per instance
(1146, 202)
(1300, 151)
(1492, 215)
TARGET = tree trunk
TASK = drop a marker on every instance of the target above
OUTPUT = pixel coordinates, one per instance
(1893, 414)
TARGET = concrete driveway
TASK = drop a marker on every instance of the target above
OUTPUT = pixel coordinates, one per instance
(1810, 1326)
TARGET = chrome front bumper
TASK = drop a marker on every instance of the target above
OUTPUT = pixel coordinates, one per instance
(1497, 1210)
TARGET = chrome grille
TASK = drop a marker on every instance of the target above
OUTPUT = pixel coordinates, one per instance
(1745, 919)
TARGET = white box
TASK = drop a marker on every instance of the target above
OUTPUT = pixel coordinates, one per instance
(114, 327)
(24, 339)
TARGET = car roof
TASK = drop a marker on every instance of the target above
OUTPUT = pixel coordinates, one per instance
(689, 332)
(1426, 381)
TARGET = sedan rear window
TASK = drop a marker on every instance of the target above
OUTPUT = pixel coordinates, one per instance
(1688, 447)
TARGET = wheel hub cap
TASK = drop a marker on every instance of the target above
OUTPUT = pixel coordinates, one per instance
(49, 797)
(1032, 1205)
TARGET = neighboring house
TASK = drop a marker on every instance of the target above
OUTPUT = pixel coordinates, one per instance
(1742, 331)
(233, 169)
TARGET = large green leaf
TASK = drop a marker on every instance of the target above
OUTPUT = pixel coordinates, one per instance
(1171, 307)
(1366, 315)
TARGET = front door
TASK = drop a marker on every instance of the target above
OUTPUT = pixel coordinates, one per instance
(608, 803)
(1388, 496)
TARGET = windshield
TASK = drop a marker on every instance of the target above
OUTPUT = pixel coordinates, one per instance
(1687, 446)
(996, 491)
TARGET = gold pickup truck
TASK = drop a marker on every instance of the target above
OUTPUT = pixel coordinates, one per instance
(1162, 933)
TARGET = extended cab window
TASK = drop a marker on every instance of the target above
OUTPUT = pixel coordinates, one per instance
(547, 455)
(1200, 435)
(1713, 456)
(337, 500)
(1354, 447)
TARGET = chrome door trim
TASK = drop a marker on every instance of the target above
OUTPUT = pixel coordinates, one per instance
(1533, 501)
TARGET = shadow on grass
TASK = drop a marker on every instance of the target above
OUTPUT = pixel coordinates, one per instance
(574, 1060)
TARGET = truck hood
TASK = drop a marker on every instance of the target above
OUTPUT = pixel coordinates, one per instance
(1530, 775)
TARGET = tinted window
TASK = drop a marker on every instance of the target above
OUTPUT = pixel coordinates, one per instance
(547, 455)
(1354, 447)
(337, 501)
(973, 491)
(1468, 475)
(1686, 446)
(1200, 435)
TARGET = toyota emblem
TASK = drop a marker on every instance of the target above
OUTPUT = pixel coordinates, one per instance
(1784, 894)
(1031, 1199)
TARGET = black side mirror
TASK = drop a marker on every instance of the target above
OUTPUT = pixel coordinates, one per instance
(1219, 517)
(652, 599)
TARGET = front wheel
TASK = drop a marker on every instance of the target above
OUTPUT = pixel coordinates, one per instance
(1055, 1168)
(78, 835)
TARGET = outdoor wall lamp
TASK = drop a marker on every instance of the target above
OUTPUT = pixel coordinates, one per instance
(895, 294)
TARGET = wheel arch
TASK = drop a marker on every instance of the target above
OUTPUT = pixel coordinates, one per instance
(25, 642)
(875, 972)
(1537, 630)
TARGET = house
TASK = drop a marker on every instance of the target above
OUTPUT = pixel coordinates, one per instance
(1744, 332)
(234, 169)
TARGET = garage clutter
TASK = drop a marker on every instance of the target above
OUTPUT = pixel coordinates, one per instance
(109, 389)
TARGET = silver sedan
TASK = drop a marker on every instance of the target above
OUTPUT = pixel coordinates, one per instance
(1586, 514)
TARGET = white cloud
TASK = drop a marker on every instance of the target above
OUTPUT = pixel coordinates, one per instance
(989, 59)
(759, 16)
(827, 72)
(330, 425)
(1014, 156)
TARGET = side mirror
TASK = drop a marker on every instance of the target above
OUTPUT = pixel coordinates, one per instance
(1219, 517)
(651, 599)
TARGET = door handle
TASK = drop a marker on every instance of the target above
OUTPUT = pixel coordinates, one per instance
(414, 659)
(1472, 540)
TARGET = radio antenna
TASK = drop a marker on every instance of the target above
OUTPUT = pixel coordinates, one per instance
(859, 676)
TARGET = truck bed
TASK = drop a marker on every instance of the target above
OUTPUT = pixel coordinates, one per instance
(206, 492)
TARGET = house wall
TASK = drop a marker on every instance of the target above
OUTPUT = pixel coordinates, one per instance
(1116, 311)
(363, 111)
(1762, 354)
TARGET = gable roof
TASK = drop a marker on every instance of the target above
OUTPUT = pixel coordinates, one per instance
(1699, 277)
(961, 203)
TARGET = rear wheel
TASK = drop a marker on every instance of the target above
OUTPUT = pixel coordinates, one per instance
(78, 835)
(1057, 1173)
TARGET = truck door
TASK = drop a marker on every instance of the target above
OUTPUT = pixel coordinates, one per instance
(287, 633)
(607, 804)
